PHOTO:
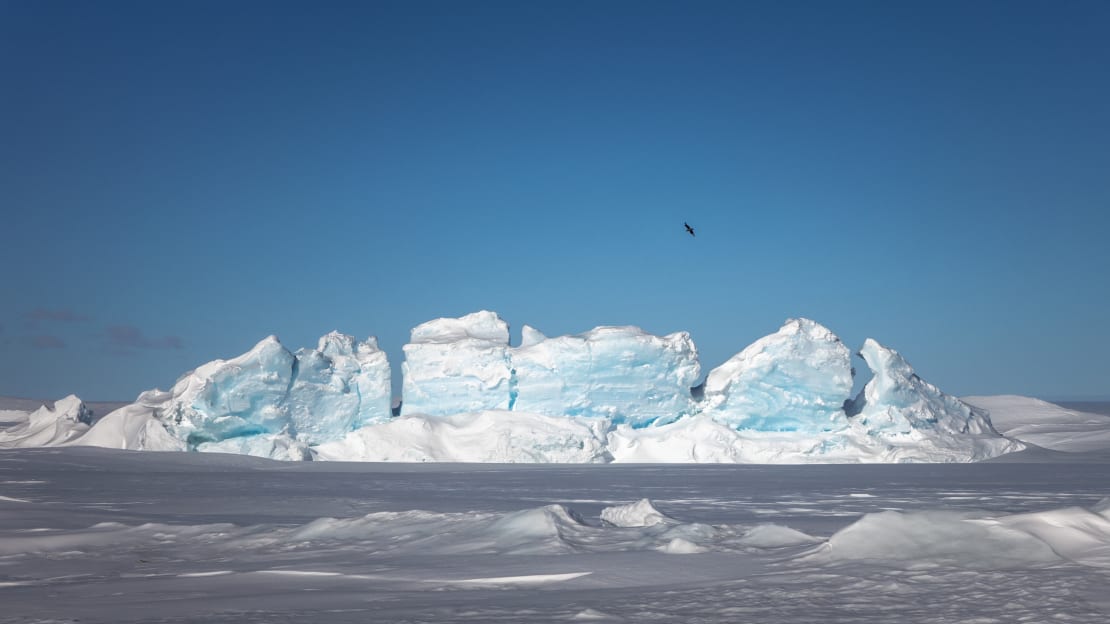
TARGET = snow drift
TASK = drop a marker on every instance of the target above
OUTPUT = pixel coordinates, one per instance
(609, 394)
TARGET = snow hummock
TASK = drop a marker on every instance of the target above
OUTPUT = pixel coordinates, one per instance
(498, 436)
(974, 539)
(67, 420)
(639, 514)
(134, 428)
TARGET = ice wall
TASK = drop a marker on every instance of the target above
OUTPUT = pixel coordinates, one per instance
(463, 365)
(457, 365)
(620, 373)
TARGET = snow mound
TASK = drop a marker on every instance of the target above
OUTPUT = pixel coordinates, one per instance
(775, 536)
(548, 529)
(973, 540)
(639, 514)
(1045, 424)
(702, 439)
(68, 420)
(132, 427)
(496, 436)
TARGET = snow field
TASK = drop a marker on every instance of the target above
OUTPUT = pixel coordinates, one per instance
(111, 536)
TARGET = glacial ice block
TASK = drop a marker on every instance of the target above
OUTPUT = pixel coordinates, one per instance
(624, 374)
(340, 386)
(621, 373)
(317, 395)
(915, 419)
(457, 365)
(231, 398)
(796, 379)
(896, 400)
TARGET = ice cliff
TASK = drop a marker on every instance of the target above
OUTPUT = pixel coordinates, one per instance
(624, 374)
(609, 394)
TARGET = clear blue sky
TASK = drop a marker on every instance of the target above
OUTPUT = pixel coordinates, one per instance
(180, 179)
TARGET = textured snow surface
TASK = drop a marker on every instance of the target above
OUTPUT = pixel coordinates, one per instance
(101, 535)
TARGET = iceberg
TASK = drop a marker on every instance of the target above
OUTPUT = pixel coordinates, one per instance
(623, 374)
(908, 414)
(797, 379)
(341, 385)
(457, 365)
(611, 394)
(275, 403)
(491, 436)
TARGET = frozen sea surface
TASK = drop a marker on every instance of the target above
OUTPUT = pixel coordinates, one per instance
(94, 535)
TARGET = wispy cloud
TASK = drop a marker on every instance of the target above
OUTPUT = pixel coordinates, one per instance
(46, 341)
(131, 337)
(62, 315)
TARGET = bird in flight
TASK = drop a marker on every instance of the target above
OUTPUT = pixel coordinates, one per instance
(688, 228)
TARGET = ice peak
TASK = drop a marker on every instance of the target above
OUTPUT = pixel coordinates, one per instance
(810, 328)
(898, 402)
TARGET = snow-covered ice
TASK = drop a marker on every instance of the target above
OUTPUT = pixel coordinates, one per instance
(457, 365)
(488, 436)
